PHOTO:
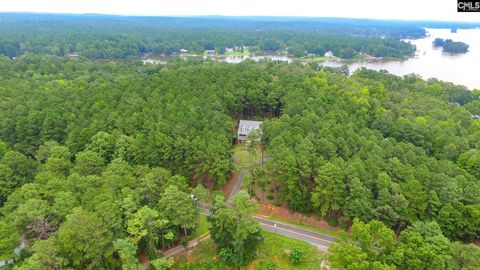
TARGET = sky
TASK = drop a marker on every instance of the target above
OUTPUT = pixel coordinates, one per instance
(445, 10)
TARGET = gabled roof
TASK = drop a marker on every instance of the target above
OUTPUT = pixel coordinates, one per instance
(246, 126)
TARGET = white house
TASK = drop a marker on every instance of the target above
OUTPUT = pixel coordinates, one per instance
(329, 54)
(247, 126)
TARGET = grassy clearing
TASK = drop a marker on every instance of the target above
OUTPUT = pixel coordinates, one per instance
(273, 251)
(204, 225)
(204, 257)
(317, 59)
(245, 159)
(276, 247)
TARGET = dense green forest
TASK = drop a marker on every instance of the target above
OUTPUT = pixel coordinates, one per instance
(98, 160)
(451, 46)
(377, 146)
(421, 246)
(111, 37)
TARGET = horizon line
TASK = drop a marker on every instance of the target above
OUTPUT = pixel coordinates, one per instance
(236, 16)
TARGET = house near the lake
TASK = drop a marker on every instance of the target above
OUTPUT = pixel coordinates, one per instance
(247, 126)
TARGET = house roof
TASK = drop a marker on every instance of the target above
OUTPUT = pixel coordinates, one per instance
(246, 126)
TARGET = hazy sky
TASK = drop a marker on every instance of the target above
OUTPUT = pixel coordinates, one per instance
(380, 9)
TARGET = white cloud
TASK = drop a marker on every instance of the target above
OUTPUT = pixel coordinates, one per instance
(379, 9)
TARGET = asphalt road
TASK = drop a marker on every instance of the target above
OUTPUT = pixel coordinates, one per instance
(322, 241)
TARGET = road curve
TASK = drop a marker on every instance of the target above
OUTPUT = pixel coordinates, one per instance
(322, 241)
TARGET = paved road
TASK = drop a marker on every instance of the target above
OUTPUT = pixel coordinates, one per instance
(322, 241)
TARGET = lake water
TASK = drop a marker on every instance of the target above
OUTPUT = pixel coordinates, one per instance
(431, 62)
(428, 62)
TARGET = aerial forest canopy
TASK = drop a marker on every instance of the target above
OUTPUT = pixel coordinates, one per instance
(115, 37)
(111, 150)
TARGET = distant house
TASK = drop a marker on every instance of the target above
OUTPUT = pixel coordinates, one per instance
(229, 49)
(247, 126)
(239, 48)
(183, 50)
(73, 56)
(329, 54)
(211, 52)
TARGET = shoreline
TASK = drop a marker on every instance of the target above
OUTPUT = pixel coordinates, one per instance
(162, 59)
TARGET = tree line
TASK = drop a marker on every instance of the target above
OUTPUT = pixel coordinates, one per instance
(110, 37)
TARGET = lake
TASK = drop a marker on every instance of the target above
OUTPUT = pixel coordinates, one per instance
(431, 62)
(428, 62)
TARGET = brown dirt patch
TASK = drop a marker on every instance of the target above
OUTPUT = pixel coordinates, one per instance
(283, 213)
(227, 188)
(143, 259)
(190, 258)
(252, 265)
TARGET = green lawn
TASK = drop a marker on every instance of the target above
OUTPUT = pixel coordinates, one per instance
(229, 54)
(276, 247)
(245, 159)
(236, 53)
(317, 59)
(273, 251)
(204, 257)
(204, 225)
